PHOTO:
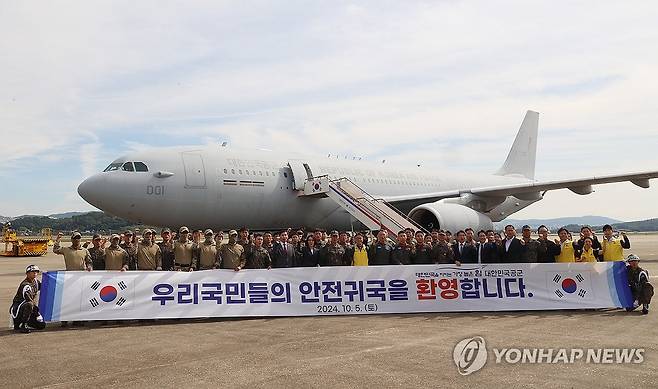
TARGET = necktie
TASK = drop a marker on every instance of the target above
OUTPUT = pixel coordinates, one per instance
(461, 248)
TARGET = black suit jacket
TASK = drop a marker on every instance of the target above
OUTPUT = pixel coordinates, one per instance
(469, 253)
(513, 254)
(489, 252)
(282, 257)
(308, 258)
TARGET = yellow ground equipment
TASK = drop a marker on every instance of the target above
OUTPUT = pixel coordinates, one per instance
(16, 246)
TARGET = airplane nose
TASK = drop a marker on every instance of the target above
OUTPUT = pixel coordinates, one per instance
(90, 190)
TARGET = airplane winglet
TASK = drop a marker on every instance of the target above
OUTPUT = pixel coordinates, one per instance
(521, 158)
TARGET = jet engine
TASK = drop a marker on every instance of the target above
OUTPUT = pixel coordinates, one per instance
(450, 217)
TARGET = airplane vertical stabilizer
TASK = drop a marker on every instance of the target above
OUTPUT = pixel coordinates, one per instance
(521, 158)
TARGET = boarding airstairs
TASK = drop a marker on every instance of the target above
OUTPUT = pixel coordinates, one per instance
(372, 212)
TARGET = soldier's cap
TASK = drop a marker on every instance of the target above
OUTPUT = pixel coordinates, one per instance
(128, 232)
(76, 235)
(30, 268)
(115, 236)
(526, 227)
(147, 231)
(333, 232)
(208, 232)
(183, 230)
(232, 232)
(166, 231)
(96, 236)
(632, 257)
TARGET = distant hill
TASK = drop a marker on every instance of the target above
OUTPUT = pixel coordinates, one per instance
(84, 222)
(559, 222)
(66, 215)
(5, 219)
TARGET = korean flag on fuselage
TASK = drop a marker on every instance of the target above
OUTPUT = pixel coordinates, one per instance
(102, 294)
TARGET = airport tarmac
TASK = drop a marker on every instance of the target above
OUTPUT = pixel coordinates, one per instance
(345, 351)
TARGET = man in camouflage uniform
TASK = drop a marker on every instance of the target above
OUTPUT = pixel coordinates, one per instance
(379, 252)
(130, 246)
(332, 254)
(96, 252)
(638, 280)
(534, 248)
(149, 256)
(184, 252)
(403, 253)
(231, 253)
(442, 253)
(116, 258)
(208, 253)
(258, 257)
(167, 250)
(24, 309)
(244, 241)
(76, 257)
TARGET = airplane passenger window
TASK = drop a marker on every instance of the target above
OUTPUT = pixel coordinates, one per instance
(141, 167)
(128, 167)
(254, 172)
(240, 171)
(112, 167)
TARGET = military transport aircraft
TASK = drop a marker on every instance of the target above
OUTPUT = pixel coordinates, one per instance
(222, 187)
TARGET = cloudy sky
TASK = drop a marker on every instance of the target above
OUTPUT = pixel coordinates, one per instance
(441, 83)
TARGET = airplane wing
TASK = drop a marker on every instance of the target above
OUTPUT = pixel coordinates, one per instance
(578, 185)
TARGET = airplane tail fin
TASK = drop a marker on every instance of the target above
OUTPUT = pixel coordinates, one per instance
(521, 158)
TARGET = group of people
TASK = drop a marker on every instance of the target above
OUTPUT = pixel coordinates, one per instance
(187, 250)
(202, 250)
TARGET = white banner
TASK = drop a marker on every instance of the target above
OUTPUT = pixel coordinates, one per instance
(110, 295)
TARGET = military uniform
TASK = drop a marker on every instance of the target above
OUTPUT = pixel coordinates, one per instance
(442, 253)
(131, 249)
(402, 255)
(534, 250)
(167, 252)
(232, 255)
(258, 258)
(116, 258)
(332, 255)
(25, 306)
(74, 259)
(379, 254)
(642, 290)
(209, 257)
(97, 258)
(184, 257)
(149, 257)
(423, 254)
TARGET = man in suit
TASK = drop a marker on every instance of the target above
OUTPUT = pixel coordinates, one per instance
(464, 252)
(283, 252)
(511, 249)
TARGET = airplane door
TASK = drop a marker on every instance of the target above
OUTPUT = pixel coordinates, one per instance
(300, 173)
(195, 172)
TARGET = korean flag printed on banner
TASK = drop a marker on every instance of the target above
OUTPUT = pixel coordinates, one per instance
(99, 295)
(571, 285)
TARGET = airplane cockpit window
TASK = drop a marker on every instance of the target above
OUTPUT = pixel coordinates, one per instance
(112, 167)
(141, 167)
(128, 167)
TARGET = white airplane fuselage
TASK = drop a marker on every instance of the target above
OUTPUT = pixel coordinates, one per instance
(221, 188)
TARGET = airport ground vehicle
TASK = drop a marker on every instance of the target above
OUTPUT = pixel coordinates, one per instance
(18, 246)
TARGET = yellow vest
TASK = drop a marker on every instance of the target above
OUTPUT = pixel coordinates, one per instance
(612, 250)
(567, 254)
(587, 256)
(360, 256)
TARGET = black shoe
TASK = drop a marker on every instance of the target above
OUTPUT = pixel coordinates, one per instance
(22, 329)
(645, 309)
